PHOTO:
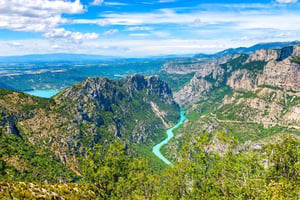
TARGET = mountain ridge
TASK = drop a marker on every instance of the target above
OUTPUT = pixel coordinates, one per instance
(135, 110)
(252, 96)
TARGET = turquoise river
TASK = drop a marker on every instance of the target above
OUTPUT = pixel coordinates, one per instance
(156, 148)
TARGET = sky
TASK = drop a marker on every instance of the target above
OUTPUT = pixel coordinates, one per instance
(140, 28)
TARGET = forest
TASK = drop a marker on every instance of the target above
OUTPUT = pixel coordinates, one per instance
(204, 171)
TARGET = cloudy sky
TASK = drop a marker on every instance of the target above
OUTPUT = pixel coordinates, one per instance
(134, 28)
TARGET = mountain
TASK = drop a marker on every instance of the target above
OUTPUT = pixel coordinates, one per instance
(88, 141)
(253, 96)
(248, 50)
(134, 110)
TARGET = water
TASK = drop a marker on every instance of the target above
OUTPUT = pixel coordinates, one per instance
(43, 93)
(156, 148)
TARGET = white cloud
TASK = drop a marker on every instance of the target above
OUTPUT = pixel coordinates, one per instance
(115, 4)
(61, 33)
(137, 46)
(43, 16)
(15, 44)
(29, 24)
(200, 30)
(286, 1)
(139, 28)
(99, 22)
(55, 46)
(97, 2)
(39, 8)
(161, 34)
(139, 34)
(245, 20)
(110, 32)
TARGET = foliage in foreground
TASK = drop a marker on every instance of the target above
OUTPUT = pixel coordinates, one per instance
(209, 168)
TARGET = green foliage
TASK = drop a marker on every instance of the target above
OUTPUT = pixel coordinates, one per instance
(175, 81)
(4, 92)
(235, 63)
(254, 68)
(23, 190)
(284, 159)
(210, 167)
(283, 172)
(204, 173)
(210, 104)
(21, 161)
(115, 175)
(296, 60)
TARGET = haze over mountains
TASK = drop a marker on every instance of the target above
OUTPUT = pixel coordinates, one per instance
(63, 57)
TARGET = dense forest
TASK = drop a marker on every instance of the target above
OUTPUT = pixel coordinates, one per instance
(271, 171)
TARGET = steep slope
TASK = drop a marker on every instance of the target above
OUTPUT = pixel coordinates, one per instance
(135, 110)
(253, 96)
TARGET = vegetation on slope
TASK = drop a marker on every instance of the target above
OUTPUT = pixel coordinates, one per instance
(135, 110)
(175, 81)
(270, 172)
(22, 161)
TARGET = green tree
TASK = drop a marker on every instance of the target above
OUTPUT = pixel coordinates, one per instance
(283, 168)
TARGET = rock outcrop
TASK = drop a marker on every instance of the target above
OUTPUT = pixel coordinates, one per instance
(97, 110)
(266, 67)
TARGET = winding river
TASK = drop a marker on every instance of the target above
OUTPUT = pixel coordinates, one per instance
(156, 148)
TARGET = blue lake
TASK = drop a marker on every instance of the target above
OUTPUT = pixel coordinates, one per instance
(43, 93)
(156, 148)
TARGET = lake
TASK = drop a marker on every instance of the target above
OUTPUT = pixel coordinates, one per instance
(43, 93)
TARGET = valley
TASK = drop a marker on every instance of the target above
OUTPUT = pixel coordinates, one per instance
(173, 128)
(170, 135)
(149, 100)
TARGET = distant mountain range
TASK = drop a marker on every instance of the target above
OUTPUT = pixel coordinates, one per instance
(252, 49)
(64, 57)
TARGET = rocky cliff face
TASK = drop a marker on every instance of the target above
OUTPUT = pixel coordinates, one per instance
(283, 74)
(98, 110)
(195, 65)
(252, 96)
(207, 76)
(271, 67)
(194, 91)
(279, 71)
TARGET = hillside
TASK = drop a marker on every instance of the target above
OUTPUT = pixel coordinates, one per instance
(251, 96)
(135, 111)
(94, 139)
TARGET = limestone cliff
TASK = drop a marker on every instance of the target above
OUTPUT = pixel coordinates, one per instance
(251, 96)
(271, 67)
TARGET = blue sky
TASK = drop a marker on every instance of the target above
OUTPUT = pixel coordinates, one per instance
(143, 28)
